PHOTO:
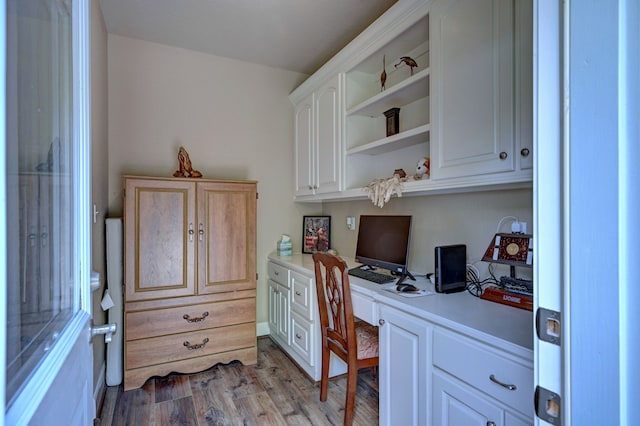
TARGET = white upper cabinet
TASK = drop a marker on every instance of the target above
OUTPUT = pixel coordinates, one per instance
(317, 144)
(467, 104)
(473, 99)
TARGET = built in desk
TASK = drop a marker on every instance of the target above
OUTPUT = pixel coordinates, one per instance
(444, 358)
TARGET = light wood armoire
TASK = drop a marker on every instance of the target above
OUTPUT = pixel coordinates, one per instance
(190, 275)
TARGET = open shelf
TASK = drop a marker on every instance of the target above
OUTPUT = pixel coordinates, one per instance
(404, 93)
(404, 139)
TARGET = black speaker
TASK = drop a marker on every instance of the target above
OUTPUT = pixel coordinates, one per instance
(451, 268)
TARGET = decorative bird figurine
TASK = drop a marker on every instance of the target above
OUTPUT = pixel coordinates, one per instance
(383, 76)
(407, 60)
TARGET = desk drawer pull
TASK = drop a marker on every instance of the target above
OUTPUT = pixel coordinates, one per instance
(196, 345)
(196, 319)
(504, 385)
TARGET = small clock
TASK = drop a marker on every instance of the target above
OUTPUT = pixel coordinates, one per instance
(510, 248)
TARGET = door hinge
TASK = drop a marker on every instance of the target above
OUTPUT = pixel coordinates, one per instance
(547, 406)
(256, 276)
(257, 196)
(548, 325)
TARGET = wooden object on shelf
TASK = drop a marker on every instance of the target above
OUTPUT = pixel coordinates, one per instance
(408, 61)
(393, 121)
(383, 75)
(190, 275)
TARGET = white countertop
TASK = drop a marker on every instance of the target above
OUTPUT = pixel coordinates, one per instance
(489, 322)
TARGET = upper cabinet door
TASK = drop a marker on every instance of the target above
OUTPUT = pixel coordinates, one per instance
(473, 103)
(160, 258)
(226, 234)
(304, 146)
(328, 128)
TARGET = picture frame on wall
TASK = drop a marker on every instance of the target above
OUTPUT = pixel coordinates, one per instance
(316, 234)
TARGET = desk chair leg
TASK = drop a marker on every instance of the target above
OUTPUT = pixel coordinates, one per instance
(352, 385)
(324, 378)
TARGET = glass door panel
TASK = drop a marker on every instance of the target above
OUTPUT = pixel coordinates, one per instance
(41, 299)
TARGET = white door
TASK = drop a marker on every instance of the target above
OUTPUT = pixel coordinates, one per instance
(45, 250)
(586, 203)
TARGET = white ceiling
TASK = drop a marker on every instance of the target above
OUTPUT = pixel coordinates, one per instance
(296, 35)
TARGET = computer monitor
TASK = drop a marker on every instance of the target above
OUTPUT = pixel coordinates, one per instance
(383, 242)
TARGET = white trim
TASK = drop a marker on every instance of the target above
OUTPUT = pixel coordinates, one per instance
(3, 202)
(629, 205)
(100, 384)
(262, 329)
(548, 200)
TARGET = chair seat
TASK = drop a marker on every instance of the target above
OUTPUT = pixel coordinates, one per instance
(367, 337)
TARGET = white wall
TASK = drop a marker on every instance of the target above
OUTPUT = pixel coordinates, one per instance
(234, 118)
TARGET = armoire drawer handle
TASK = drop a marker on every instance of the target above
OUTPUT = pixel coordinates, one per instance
(197, 345)
(504, 385)
(196, 319)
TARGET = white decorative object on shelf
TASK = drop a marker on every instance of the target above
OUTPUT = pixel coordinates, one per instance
(381, 190)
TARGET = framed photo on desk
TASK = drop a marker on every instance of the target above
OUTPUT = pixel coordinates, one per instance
(316, 234)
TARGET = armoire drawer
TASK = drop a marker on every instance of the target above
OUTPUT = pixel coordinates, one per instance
(278, 273)
(159, 322)
(489, 371)
(175, 347)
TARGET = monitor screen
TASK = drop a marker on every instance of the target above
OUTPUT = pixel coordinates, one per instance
(383, 242)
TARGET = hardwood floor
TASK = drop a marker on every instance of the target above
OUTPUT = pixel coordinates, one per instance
(272, 392)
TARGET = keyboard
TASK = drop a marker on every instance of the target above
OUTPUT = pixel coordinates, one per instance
(517, 285)
(375, 277)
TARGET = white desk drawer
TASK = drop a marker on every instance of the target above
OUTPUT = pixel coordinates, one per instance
(278, 273)
(302, 338)
(484, 368)
(365, 308)
(302, 295)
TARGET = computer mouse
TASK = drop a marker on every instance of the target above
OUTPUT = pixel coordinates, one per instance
(406, 287)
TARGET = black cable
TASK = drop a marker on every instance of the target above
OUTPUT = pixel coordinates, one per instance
(475, 286)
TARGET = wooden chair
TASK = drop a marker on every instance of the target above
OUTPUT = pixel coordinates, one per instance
(355, 342)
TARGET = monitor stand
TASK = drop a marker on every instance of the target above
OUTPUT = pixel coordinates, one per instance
(406, 274)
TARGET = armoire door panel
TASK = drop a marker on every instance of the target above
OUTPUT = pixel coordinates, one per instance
(161, 257)
(227, 250)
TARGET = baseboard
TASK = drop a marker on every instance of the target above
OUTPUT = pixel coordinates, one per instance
(99, 390)
(262, 329)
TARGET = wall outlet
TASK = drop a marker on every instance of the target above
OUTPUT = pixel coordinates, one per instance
(351, 222)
